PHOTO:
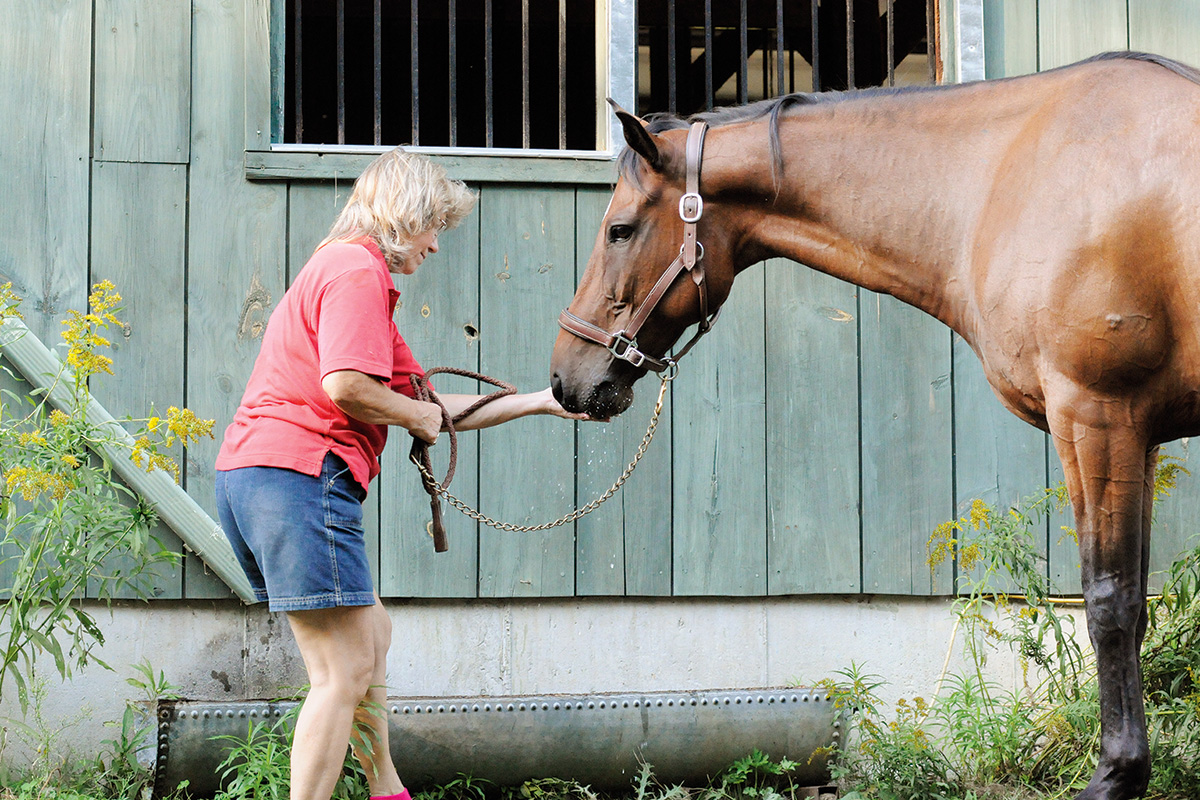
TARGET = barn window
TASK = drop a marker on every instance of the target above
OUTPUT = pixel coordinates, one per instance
(697, 54)
(531, 75)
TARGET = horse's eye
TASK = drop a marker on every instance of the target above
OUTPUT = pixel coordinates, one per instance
(620, 233)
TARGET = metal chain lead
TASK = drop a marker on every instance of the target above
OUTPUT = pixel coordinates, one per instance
(478, 516)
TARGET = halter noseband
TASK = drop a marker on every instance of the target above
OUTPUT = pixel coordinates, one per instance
(623, 344)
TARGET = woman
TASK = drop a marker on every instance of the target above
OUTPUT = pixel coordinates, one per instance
(292, 473)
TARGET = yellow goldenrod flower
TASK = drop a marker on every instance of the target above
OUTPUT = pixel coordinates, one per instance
(9, 302)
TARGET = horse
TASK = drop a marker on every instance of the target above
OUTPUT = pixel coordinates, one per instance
(1051, 220)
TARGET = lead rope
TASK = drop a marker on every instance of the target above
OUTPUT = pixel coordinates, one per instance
(419, 456)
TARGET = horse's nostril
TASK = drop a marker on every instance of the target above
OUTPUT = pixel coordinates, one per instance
(556, 387)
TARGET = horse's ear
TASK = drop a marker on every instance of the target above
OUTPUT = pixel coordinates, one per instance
(640, 140)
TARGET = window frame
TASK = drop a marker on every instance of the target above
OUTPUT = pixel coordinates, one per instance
(268, 159)
(960, 56)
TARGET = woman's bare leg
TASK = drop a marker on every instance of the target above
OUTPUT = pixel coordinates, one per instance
(371, 719)
(344, 651)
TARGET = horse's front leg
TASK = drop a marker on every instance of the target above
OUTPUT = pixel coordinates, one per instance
(1106, 462)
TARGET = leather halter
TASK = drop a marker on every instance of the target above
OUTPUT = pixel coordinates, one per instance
(623, 344)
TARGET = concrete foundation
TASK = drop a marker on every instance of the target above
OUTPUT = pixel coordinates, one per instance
(227, 651)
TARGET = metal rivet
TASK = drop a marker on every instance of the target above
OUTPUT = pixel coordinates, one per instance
(545, 706)
(510, 706)
(591, 704)
(474, 707)
(557, 706)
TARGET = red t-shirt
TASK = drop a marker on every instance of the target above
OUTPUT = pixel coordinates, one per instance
(336, 315)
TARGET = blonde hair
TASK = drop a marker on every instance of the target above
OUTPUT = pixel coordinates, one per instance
(398, 197)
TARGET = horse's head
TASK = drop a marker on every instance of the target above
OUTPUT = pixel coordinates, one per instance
(619, 325)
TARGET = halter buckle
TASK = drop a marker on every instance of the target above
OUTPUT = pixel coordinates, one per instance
(625, 349)
(691, 207)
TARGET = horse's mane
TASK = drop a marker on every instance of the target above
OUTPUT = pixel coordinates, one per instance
(774, 108)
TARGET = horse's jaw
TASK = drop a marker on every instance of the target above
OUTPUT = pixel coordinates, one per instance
(600, 390)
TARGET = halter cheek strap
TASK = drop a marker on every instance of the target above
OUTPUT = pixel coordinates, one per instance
(623, 343)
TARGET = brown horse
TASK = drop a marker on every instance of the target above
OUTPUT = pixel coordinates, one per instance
(1052, 220)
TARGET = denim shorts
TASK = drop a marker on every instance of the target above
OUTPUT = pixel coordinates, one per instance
(299, 539)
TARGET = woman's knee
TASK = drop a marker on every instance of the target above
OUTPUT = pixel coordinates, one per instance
(383, 630)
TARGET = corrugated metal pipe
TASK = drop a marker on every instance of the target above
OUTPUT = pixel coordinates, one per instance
(599, 740)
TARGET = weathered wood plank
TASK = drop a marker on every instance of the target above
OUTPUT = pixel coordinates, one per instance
(813, 540)
(438, 317)
(143, 80)
(236, 250)
(1177, 517)
(906, 441)
(1171, 28)
(346, 165)
(138, 243)
(1167, 27)
(1070, 30)
(45, 108)
(625, 546)
(260, 52)
(526, 467)
(719, 420)
(1010, 37)
(45, 57)
(998, 458)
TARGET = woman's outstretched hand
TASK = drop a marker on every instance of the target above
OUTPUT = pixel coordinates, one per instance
(551, 406)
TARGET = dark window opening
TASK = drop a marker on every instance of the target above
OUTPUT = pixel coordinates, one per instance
(697, 54)
(523, 73)
(458, 73)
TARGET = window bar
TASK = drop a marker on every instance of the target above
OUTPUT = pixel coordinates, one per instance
(297, 73)
(341, 71)
(816, 47)
(489, 116)
(378, 31)
(672, 104)
(708, 55)
(452, 35)
(743, 56)
(562, 74)
(779, 47)
(525, 74)
(891, 42)
(416, 81)
(766, 67)
(930, 40)
(850, 44)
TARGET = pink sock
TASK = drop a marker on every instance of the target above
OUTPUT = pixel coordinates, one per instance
(402, 796)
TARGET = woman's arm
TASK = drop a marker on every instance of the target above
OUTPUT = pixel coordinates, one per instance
(504, 408)
(368, 400)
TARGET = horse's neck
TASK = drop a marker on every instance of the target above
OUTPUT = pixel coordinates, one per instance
(881, 192)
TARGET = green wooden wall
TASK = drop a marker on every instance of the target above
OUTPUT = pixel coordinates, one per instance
(810, 445)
